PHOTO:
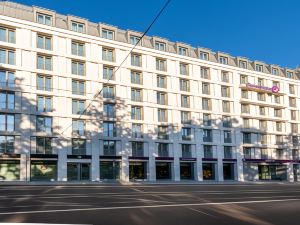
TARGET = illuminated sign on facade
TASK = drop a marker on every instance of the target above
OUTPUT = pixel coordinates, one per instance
(274, 89)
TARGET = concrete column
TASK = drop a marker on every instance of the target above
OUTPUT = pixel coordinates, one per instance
(290, 172)
(199, 156)
(152, 167)
(176, 153)
(62, 152)
(25, 167)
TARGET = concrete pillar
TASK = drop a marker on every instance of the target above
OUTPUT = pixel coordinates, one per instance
(62, 152)
(152, 167)
(199, 156)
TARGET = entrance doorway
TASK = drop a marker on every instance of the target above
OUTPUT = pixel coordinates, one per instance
(187, 171)
(228, 171)
(78, 171)
(163, 170)
(137, 170)
(208, 171)
(110, 170)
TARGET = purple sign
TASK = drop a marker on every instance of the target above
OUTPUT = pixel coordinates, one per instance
(274, 89)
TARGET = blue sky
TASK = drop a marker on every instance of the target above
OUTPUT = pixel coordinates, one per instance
(266, 30)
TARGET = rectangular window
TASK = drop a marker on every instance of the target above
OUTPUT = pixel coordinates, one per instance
(136, 77)
(44, 42)
(225, 77)
(226, 106)
(277, 112)
(44, 124)
(44, 19)
(161, 98)
(7, 78)
(208, 151)
(43, 145)
(137, 148)
(277, 99)
(207, 135)
(162, 115)
(184, 85)
(186, 133)
(109, 129)
(244, 94)
(259, 68)
(162, 132)
(183, 68)
(262, 110)
(136, 112)
(206, 119)
(136, 60)
(163, 150)
(247, 138)
(279, 140)
(7, 100)
(204, 72)
(247, 152)
(227, 136)
(108, 73)
(275, 71)
(7, 122)
(243, 79)
(136, 94)
(185, 117)
(186, 150)
(227, 121)
(7, 56)
(78, 106)
(44, 103)
(134, 40)
(108, 54)
(108, 91)
(161, 64)
(182, 51)
(185, 101)
(44, 83)
(137, 130)
(278, 126)
(206, 104)
(108, 34)
(289, 74)
(294, 127)
(7, 144)
(78, 48)
(243, 64)
(264, 153)
(260, 82)
(204, 55)
(78, 146)
(78, 27)
(223, 60)
(78, 87)
(227, 152)
(109, 110)
(246, 123)
(205, 88)
(161, 81)
(160, 46)
(44, 62)
(263, 125)
(294, 114)
(109, 148)
(7, 35)
(292, 89)
(225, 91)
(78, 127)
(245, 108)
(261, 97)
(292, 102)
(78, 68)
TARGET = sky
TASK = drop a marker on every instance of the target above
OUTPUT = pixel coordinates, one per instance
(264, 30)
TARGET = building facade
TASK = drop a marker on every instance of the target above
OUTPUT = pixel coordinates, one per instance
(171, 112)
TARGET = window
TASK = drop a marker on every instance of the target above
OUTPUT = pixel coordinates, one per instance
(244, 94)
(295, 154)
(7, 100)
(292, 102)
(162, 132)
(44, 19)
(263, 139)
(223, 60)
(136, 112)
(182, 51)
(206, 119)
(260, 82)
(279, 139)
(246, 123)
(259, 68)
(137, 130)
(78, 68)
(204, 72)
(205, 88)
(7, 78)
(289, 74)
(294, 127)
(136, 95)
(225, 77)
(161, 64)
(43, 145)
(295, 140)
(78, 87)
(109, 110)
(275, 71)
(78, 127)
(278, 126)
(206, 104)
(185, 117)
(44, 62)
(245, 108)
(108, 34)
(225, 91)
(134, 40)
(137, 148)
(227, 136)
(78, 48)
(276, 83)
(186, 133)
(108, 54)
(184, 85)
(78, 27)
(109, 129)
(262, 110)
(44, 83)
(108, 73)
(136, 60)
(247, 152)
(186, 150)
(7, 35)
(7, 122)
(226, 106)
(243, 64)
(247, 138)
(44, 124)
(44, 42)
(294, 115)
(227, 121)
(185, 101)
(78, 106)
(292, 89)
(44, 103)
(277, 112)
(227, 152)
(263, 125)
(108, 91)
(7, 56)
(78, 146)
(243, 79)
(208, 151)
(162, 115)
(261, 97)
(183, 69)
(207, 135)
(280, 154)
(204, 55)
(163, 150)
(109, 148)
(277, 99)
(7, 144)
(160, 46)
(161, 81)
(161, 98)
(264, 153)
(136, 77)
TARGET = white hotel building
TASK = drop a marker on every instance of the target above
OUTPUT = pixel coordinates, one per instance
(171, 112)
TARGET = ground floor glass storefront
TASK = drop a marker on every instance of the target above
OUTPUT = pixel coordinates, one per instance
(43, 170)
(78, 171)
(110, 170)
(187, 171)
(163, 170)
(228, 171)
(272, 172)
(137, 170)
(209, 171)
(9, 170)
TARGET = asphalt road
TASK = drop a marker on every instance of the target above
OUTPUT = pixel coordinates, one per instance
(146, 204)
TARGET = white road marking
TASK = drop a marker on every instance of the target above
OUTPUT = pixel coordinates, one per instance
(149, 206)
(199, 211)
